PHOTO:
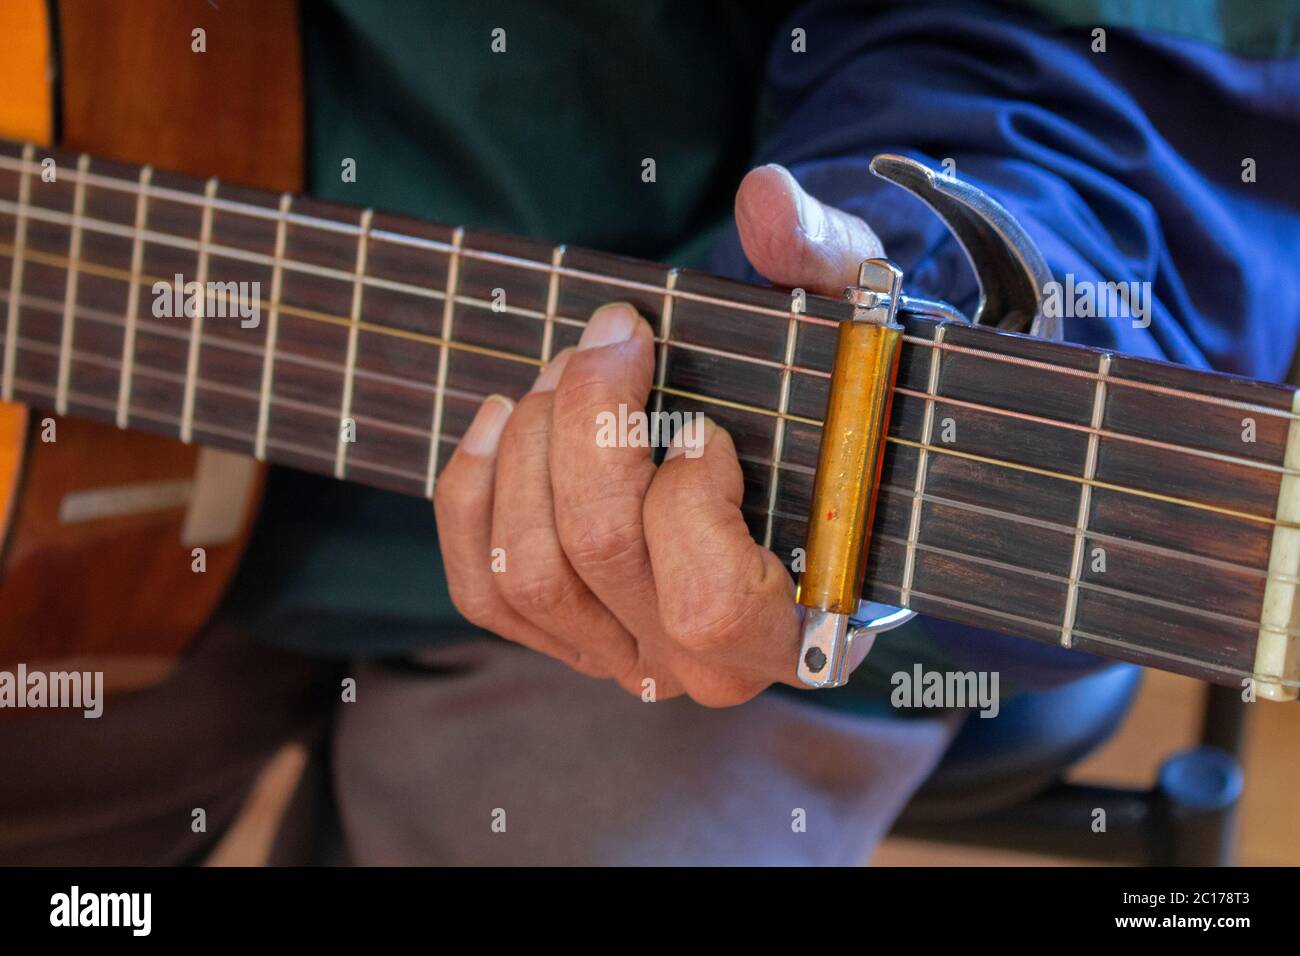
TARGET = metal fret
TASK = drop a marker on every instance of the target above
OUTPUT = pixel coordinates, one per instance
(665, 336)
(439, 395)
(16, 273)
(552, 299)
(778, 430)
(272, 329)
(1085, 504)
(922, 461)
(196, 324)
(350, 364)
(123, 415)
(70, 288)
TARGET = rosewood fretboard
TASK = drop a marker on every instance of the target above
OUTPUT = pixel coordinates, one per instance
(1051, 491)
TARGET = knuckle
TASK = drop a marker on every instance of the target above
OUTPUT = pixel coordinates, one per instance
(582, 396)
(602, 536)
(707, 620)
(669, 499)
(533, 589)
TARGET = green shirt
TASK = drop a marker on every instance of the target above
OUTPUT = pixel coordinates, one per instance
(545, 139)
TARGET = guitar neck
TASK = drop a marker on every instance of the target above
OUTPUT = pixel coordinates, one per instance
(1124, 507)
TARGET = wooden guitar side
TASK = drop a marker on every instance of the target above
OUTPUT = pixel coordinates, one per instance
(100, 526)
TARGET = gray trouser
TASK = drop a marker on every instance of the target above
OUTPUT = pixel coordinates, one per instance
(506, 757)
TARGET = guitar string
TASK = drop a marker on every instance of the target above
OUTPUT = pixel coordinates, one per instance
(1252, 626)
(94, 315)
(88, 313)
(663, 342)
(311, 314)
(326, 458)
(1033, 624)
(1100, 432)
(326, 225)
(1093, 376)
(1142, 654)
(1238, 461)
(228, 252)
(1069, 530)
(786, 366)
(1142, 598)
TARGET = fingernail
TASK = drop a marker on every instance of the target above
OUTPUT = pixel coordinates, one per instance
(549, 377)
(609, 325)
(485, 431)
(812, 217)
(695, 433)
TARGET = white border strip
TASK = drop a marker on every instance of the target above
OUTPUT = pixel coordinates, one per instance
(1277, 653)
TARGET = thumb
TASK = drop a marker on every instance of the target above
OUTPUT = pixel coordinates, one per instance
(793, 239)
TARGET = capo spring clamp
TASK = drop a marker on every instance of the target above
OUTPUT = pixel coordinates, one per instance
(1012, 277)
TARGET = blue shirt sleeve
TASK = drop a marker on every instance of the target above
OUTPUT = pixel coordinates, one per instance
(1161, 160)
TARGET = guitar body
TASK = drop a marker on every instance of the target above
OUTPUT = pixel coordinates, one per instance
(118, 545)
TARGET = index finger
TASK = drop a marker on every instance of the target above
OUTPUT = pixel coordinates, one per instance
(599, 483)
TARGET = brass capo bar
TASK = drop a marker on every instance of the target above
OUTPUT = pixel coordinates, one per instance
(1012, 274)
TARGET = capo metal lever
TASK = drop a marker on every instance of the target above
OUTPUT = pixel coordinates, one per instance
(1011, 271)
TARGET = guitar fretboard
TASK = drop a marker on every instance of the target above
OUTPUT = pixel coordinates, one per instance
(1120, 506)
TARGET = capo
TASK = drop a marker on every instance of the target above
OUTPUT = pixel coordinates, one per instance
(1012, 275)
